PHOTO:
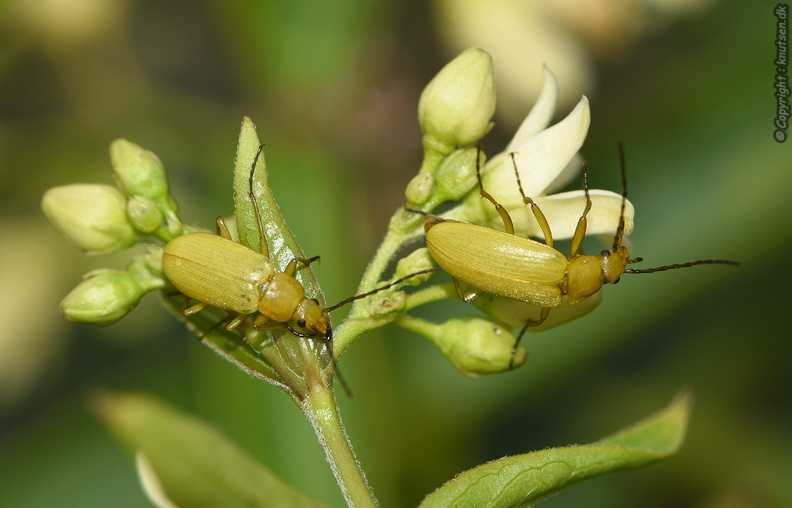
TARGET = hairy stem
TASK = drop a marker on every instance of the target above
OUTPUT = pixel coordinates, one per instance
(322, 411)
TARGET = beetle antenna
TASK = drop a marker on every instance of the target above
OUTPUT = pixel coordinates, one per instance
(336, 370)
(617, 238)
(683, 265)
(413, 210)
(369, 293)
(210, 330)
(264, 248)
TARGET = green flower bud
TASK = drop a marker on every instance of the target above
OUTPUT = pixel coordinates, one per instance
(456, 107)
(103, 298)
(93, 217)
(419, 189)
(416, 261)
(457, 175)
(138, 171)
(477, 346)
(144, 214)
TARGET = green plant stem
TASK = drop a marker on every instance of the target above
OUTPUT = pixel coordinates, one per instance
(322, 411)
(400, 232)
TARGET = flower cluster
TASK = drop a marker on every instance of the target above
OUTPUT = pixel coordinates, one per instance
(455, 113)
(101, 219)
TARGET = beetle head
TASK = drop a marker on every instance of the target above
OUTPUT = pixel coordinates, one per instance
(311, 316)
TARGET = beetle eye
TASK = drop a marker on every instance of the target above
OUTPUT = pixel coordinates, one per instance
(301, 323)
(605, 253)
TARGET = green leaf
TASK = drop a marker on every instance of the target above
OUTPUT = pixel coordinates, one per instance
(524, 479)
(283, 247)
(295, 355)
(189, 463)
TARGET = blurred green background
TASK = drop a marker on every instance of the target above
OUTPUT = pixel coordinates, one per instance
(333, 88)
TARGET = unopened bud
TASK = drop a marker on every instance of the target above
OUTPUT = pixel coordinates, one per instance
(139, 172)
(478, 346)
(419, 189)
(457, 175)
(93, 217)
(456, 106)
(144, 214)
(103, 298)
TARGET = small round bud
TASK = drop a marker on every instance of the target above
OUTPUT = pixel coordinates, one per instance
(416, 261)
(103, 298)
(93, 217)
(477, 346)
(419, 189)
(138, 171)
(456, 106)
(457, 175)
(143, 214)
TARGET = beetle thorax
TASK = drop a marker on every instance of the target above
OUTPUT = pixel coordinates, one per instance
(584, 277)
(280, 297)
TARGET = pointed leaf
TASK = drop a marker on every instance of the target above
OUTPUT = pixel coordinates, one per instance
(524, 479)
(187, 463)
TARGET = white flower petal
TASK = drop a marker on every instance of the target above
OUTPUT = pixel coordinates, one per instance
(563, 211)
(541, 114)
(568, 174)
(540, 159)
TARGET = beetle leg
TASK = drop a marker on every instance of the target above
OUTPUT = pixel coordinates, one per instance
(528, 324)
(236, 321)
(537, 212)
(292, 266)
(508, 224)
(580, 229)
(222, 229)
(198, 307)
(468, 296)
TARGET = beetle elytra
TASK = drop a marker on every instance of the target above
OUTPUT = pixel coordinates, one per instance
(503, 264)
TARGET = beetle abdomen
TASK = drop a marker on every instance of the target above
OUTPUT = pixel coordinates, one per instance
(497, 262)
(217, 271)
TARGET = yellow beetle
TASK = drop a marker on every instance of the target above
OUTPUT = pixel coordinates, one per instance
(503, 264)
(219, 272)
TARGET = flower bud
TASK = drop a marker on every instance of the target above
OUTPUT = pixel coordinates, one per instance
(138, 171)
(93, 217)
(419, 189)
(456, 107)
(416, 261)
(457, 175)
(143, 214)
(103, 298)
(477, 346)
